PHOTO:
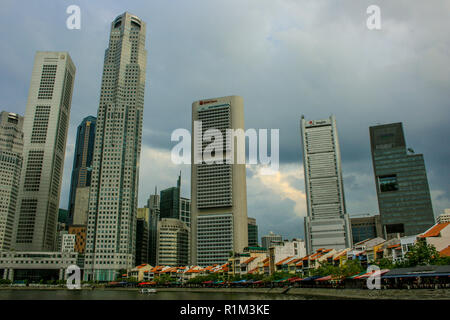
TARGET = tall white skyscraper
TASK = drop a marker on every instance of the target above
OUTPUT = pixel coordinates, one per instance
(11, 148)
(327, 224)
(110, 243)
(219, 191)
(45, 134)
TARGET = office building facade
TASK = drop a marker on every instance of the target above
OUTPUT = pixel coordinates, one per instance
(252, 233)
(444, 217)
(80, 237)
(142, 236)
(82, 166)
(327, 224)
(173, 243)
(115, 169)
(270, 240)
(366, 227)
(401, 182)
(218, 190)
(153, 206)
(169, 205)
(11, 148)
(185, 211)
(45, 128)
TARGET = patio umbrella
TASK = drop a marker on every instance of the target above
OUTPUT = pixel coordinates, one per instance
(327, 278)
(374, 274)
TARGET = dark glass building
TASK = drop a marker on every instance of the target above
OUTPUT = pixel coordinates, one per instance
(153, 206)
(170, 202)
(252, 233)
(142, 237)
(401, 182)
(82, 160)
(368, 227)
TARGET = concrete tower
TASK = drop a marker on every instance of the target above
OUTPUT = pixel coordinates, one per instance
(327, 224)
(219, 192)
(115, 176)
(11, 147)
(45, 134)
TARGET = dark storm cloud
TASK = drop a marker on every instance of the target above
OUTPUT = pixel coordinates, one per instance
(285, 58)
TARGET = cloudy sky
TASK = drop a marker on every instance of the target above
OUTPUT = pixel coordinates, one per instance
(284, 57)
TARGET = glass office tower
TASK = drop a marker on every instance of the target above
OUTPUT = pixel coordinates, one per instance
(401, 182)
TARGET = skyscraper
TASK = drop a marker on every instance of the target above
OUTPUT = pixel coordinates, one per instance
(327, 224)
(82, 165)
(153, 206)
(11, 147)
(252, 232)
(115, 169)
(170, 201)
(172, 205)
(142, 234)
(45, 134)
(219, 192)
(401, 182)
(172, 243)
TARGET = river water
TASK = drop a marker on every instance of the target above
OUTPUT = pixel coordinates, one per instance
(99, 294)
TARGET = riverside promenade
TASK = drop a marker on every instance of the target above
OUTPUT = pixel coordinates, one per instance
(389, 294)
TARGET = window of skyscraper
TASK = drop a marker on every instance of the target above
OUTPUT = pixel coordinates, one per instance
(388, 183)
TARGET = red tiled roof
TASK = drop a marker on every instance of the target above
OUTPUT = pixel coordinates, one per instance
(281, 261)
(295, 261)
(435, 230)
(339, 256)
(249, 260)
(192, 270)
(316, 255)
(299, 264)
(445, 252)
(394, 246)
(253, 270)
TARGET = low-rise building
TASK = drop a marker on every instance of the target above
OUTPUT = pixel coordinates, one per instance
(68, 243)
(138, 271)
(36, 266)
(438, 235)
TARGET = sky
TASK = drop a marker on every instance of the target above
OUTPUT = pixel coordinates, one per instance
(286, 58)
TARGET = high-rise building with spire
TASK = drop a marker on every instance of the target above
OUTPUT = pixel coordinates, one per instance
(113, 197)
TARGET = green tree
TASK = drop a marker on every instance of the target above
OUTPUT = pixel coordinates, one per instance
(421, 254)
(384, 263)
(325, 269)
